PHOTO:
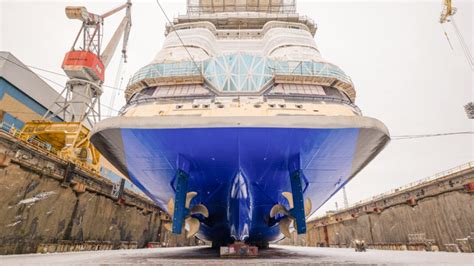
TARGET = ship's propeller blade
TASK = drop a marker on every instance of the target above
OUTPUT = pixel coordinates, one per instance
(194, 225)
(200, 209)
(285, 224)
(288, 218)
(171, 206)
(307, 206)
(278, 209)
(168, 226)
(307, 203)
(289, 197)
(191, 224)
(189, 197)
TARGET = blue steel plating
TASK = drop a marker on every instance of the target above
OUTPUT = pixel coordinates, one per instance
(240, 173)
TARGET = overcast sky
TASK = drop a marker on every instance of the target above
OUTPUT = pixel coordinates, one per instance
(404, 70)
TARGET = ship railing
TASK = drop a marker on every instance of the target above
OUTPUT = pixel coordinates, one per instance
(309, 68)
(185, 68)
(180, 99)
(281, 7)
(16, 132)
(330, 99)
(412, 185)
(292, 68)
(9, 128)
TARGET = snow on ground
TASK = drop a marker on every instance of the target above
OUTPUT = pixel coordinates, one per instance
(37, 197)
(276, 255)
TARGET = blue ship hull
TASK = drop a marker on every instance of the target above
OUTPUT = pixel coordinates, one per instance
(240, 172)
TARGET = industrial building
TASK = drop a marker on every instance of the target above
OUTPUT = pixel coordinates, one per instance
(24, 96)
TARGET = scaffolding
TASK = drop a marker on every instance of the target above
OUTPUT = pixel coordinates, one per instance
(197, 7)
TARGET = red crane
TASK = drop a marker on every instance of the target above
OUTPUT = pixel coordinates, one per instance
(88, 61)
(85, 65)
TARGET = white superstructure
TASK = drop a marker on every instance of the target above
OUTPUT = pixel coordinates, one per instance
(240, 57)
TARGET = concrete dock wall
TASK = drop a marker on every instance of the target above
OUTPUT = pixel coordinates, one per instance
(429, 216)
(43, 204)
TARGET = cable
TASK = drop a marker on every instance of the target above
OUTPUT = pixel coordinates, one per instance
(118, 82)
(50, 80)
(32, 112)
(63, 75)
(466, 51)
(179, 37)
(447, 37)
(403, 137)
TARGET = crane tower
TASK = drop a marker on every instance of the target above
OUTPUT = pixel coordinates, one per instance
(85, 66)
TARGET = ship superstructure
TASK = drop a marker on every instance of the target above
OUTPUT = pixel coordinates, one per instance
(238, 127)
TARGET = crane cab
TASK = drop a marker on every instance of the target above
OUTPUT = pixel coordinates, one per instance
(84, 65)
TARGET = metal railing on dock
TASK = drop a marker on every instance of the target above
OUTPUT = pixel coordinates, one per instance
(412, 185)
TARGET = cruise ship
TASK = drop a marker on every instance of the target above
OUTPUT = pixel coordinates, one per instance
(238, 128)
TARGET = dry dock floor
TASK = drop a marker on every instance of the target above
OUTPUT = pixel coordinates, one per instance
(275, 255)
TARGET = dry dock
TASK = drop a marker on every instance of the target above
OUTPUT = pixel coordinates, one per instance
(433, 214)
(275, 255)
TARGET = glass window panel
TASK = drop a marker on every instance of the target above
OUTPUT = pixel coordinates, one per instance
(231, 72)
(232, 85)
(220, 81)
(248, 60)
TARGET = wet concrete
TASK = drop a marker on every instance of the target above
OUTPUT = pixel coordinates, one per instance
(275, 255)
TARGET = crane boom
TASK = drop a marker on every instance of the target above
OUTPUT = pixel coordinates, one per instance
(81, 13)
(447, 15)
(448, 11)
(123, 29)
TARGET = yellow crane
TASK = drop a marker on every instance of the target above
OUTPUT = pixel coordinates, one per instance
(448, 11)
(447, 15)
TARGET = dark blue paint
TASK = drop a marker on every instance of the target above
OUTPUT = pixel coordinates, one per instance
(298, 201)
(218, 156)
(240, 208)
(180, 210)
